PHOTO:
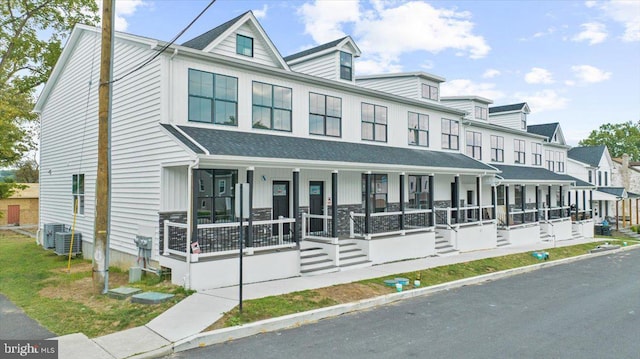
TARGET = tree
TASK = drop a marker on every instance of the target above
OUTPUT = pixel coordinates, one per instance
(28, 171)
(619, 138)
(31, 35)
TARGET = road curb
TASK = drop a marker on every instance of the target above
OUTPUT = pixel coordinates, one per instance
(298, 319)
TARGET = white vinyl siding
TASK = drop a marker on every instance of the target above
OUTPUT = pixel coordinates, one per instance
(324, 66)
(401, 86)
(510, 120)
(262, 54)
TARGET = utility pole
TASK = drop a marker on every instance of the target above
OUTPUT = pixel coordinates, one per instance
(102, 179)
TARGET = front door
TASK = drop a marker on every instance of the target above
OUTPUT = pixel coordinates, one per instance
(13, 216)
(280, 204)
(316, 205)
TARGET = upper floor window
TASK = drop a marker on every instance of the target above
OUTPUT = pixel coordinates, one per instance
(77, 191)
(536, 154)
(599, 178)
(482, 113)
(497, 148)
(244, 45)
(523, 121)
(374, 122)
(474, 145)
(559, 161)
(450, 134)
(378, 192)
(548, 154)
(590, 176)
(518, 151)
(430, 92)
(418, 129)
(271, 107)
(346, 66)
(213, 98)
(325, 115)
(606, 178)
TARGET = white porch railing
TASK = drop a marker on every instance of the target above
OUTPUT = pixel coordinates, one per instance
(218, 239)
(389, 223)
(310, 227)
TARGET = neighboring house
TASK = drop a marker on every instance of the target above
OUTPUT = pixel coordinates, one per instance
(22, 207)
(344, 171)
(627, 175)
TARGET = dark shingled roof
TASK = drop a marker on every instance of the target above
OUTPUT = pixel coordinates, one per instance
(616, 191)
(522, 173)
(590, 155)
(248, 144)
(192, 146)
(312, 50)
(545, 129)
(506, 108)
(201, 41)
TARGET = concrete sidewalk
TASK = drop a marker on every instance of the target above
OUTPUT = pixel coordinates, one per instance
(195, 313)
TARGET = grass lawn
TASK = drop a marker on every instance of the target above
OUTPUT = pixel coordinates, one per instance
(269, 307)
(64, 301)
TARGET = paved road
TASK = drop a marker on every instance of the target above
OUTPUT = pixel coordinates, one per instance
(586, 309)
(15, 324)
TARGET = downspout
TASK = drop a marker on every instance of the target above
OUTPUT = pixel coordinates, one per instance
(195, 164)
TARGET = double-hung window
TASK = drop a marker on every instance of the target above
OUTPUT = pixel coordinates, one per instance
(418, 129)
(430, 92)
(518, 151)
(474, 145)
(500, 195)
(374, 122)
(536, 153)
(560, 161)
(346, 66)
(548, 154)
(213, 98)
(244, 45)
(418, 191)
(77, 190)
(450, 134)
(481, 113)
(378, 192)
(271, 107)
(497, 148)
(325, 115)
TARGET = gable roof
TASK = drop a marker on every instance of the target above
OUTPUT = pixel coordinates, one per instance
(201, 41)
(324, 47)
(616, 191)
(522, 106)
(306, 150)
(545, 129)
(590, 155)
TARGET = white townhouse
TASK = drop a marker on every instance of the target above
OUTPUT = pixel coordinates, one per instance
(343, 171)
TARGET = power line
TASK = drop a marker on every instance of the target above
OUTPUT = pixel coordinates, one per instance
(165, 47)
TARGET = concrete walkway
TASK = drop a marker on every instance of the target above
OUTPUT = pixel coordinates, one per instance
(198, 311)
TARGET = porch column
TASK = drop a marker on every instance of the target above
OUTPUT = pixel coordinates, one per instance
(577, 206)
(537, 217)
(569, 199)
(402, 201)
(561, 201)
(250, 220)
(479, 198)
(456, 197)
(591, 203)
(494, 204)
(547, 214)
(617, 218)
(523, 202)
(431, 194)
(194, 207)
(367, 202)
(296, 204)
(334, 204)
(584, 204)
(506, 200)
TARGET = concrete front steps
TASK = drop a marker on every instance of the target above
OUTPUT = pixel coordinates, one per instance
(443, 247)
(629, 233)
(502, 241)
(314, 260)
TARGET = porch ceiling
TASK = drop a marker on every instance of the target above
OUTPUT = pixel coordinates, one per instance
(537, 175)
(303, 152)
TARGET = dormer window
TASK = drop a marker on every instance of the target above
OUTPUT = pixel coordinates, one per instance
(523, 121)
(346, 66)
(244, 45)
(430, 92)
(482, 113)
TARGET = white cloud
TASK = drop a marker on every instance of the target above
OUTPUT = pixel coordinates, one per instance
(538, 75)
(387, 30)
(491, 73)
(367, 67)
(594, 32)
(261, 13)
(626, 13)
(464, 87)
(123, 9)
(545, 100)
(590, 74)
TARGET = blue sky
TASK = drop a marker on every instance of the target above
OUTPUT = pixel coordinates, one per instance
(574, 62)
